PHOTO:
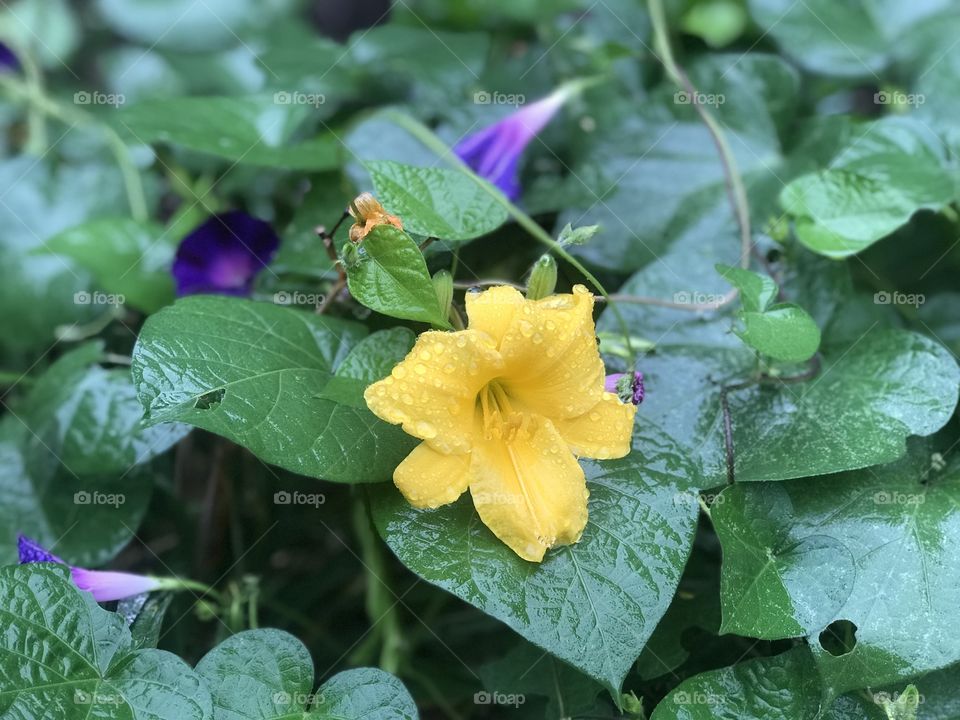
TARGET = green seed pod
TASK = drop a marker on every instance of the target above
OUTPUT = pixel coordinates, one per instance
(543, 278)
(443, 286)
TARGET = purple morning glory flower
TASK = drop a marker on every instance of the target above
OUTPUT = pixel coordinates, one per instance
(8, 59)
(494, 152)
(223, 254)
(104, 585)
(628, 386)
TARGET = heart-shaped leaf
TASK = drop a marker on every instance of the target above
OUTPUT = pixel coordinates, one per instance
(391, 277)
(873, 547)
(268, 675)
(436, 202)
(593, 604)
(63, 656)
(255, 373)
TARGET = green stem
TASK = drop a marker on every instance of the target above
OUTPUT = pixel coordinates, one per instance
(41, 103)
(381, 608)
(735, 187)
(175, 584)
(431, 141)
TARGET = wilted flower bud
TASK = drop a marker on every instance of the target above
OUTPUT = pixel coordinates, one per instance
(443, 286)
(543, 278)
(367, 211)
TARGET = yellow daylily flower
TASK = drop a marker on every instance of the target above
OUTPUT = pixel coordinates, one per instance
(502, 408)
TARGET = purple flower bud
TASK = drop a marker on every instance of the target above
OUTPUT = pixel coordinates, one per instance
(104, 585)
(628, 386)
(494, 152)
(223, 254)
(9, 62)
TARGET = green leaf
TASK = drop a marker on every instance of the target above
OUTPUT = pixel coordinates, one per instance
(874, 387)
(872, 547)
(525, 670)
(371, 359)
(664, 154)
(436, 202)
(783, 687)
(784, 332)
(89, 419)
(182, 25)
(88, 519)
(126, 257)
(757, 290)
(593, 604)
(62, 653)
(872, 187)
(391, 277)
(268, 675)
(254, 373)
(856, 38)
(253, 130)
(37, 291)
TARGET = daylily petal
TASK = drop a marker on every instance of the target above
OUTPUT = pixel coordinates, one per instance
(432, 392)
(553, 364)
(529, 489)
(429, 479)
(106, 585)
(493, 310)
(603, 432)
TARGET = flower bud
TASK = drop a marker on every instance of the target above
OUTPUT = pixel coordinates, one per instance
(627, 386)
(443, 286)
(543, 278)
(367, 212)
(349, 255)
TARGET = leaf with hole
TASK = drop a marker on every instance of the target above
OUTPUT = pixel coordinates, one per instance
(255, 373)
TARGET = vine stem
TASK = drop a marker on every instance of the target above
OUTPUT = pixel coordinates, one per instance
(380, 608)
(735, 187)
(39, 102)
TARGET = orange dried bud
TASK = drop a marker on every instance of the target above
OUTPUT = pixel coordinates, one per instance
(367, 213)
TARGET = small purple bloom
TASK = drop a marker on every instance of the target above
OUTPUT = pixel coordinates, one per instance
(105, 585)
(494, 152)
(8, 60)
(223, 254)
(628, 386)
